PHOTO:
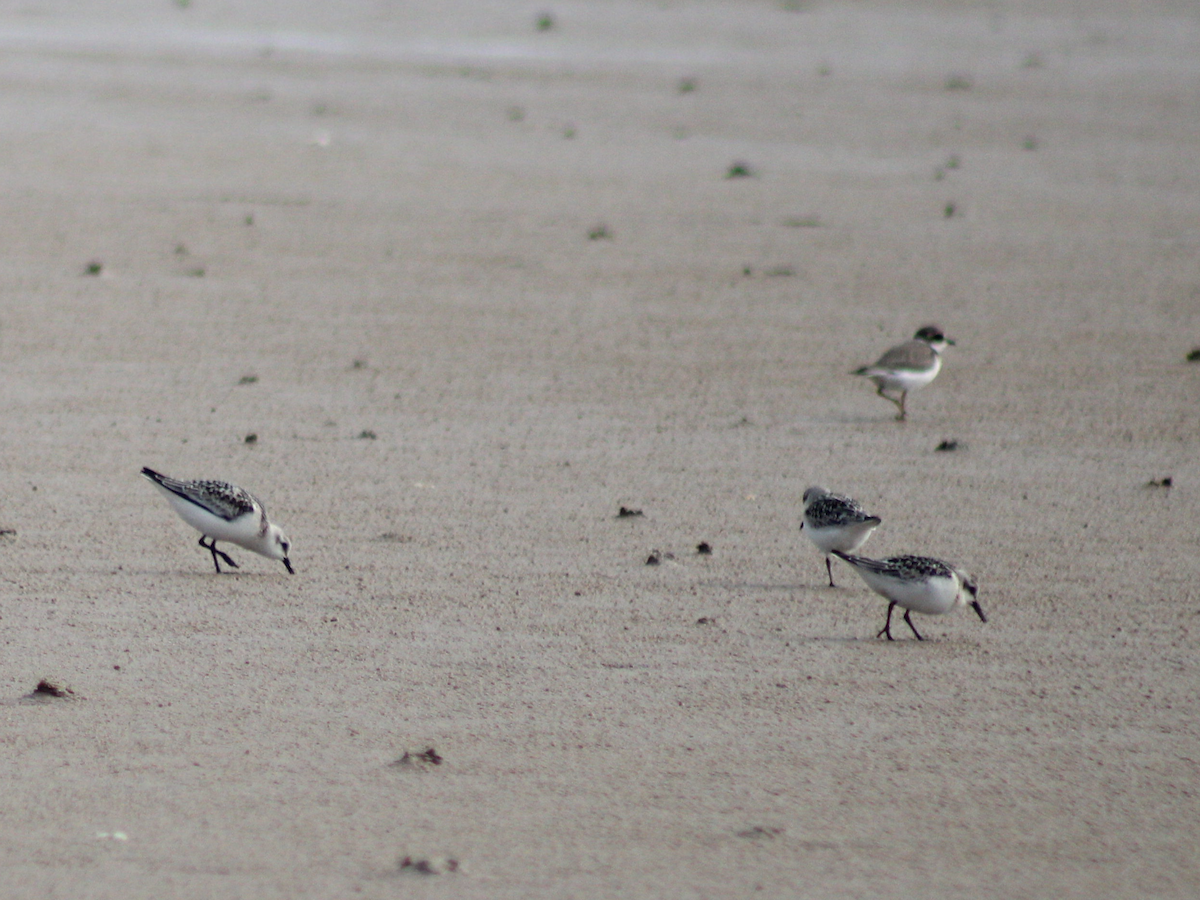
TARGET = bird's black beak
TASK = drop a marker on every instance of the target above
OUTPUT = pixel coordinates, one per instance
(951, 343)
(287, 562)
(974, 604)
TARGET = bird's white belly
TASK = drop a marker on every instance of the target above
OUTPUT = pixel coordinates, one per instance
(846, 538)
(932, 597)
(905, 379)
(242, 531)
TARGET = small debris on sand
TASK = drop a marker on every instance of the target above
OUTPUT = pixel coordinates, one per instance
(759, 831)
(433, 865)
(395, 537)
(48, 688)
(419, 759)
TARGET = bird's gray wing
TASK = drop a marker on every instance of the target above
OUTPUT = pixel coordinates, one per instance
(222, 499)
(909, 355)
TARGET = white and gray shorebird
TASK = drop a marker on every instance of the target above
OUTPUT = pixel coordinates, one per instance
(919, 584)
(908, 366)
(221, 511)
(834, 522)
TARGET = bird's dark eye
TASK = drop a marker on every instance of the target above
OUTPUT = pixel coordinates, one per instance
(286, 546)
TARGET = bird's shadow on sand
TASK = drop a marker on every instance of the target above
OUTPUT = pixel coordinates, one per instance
(823, 588)
(771, 588)
(804, 426)
(236, 574)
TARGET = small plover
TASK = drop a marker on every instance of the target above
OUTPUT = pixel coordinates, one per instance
(908, 366)
(834, 522)
(918, 583)
(221, 511)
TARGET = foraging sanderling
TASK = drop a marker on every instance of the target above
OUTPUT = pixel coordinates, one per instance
(908, 366)
(834, 522)
(918, 583)
(224, 512)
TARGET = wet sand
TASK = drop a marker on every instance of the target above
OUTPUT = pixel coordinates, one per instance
(473, 287)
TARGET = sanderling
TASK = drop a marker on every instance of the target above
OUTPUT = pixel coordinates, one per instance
(834, 522)
(908, 366)
(221, 511)
(918, 583)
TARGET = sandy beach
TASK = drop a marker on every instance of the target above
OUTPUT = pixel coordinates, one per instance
(447, 287)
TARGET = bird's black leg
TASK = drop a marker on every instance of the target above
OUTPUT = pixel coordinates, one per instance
(887, 626)
(211, 547)
(829, 569)
(907, 615)
(899, 404)
(223, 555)
(903, 415)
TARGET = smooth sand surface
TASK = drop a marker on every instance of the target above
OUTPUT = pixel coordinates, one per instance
(378, 218)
